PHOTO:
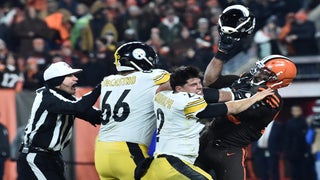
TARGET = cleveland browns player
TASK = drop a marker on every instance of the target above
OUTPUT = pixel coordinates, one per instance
(223, 143)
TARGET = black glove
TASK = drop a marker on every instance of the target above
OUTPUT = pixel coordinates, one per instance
(93, 116)
(96, 120)
(241, 88)
(244, 82)
(227, 47)
(241, 93)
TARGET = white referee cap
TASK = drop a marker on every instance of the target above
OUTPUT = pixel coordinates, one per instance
(59, 69)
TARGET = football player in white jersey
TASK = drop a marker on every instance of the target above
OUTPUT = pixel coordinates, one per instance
(126, 102)
(178, 127)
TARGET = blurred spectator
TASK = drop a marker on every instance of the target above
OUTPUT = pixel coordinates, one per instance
(4, 148)
(266, 152)
(10, 75)
(67, 54)
(302, 36)
(170, 27)
(313, 136)
(296, 5)
(51, 7)
(57, 58)
(296, 149)
(284, 32)
(214, 15)
(60, 23)
(264, 9)
(4, 52)
(39, 5)
(129, 35)
(158, 45)
(179, 49)
(39, 53)
(202, 31)
(83, 17)
(266, 39)
(35, 64)
(215, 38)
(70, 5)
(201, 56)
(32, 76)
(97, 27)
(154, 40)
(104, 60)
(314, 15)
(131, 19)
(28, 29)
(180, 7)
(7, 21)
(193, 11)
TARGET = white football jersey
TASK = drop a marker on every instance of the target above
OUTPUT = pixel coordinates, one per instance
(177, 125)
(127, 106)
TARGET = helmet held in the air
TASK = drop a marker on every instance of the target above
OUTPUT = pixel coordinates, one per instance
(236, 21)
(135, 56)
(275, 71)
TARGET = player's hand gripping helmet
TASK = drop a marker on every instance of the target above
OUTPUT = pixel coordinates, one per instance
(275, 71)
(135, 56)
(236, 21)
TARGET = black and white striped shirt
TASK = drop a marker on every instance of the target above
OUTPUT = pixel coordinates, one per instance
(52, 115)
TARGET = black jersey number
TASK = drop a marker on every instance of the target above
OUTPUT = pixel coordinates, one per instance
(117, 115)
(160, 117)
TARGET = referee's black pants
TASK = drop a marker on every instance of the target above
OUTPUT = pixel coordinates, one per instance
(222, 163)
(40, 165)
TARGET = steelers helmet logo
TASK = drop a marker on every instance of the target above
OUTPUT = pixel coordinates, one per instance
(139, 54)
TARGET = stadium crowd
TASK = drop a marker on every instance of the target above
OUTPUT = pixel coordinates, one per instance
(86, 33)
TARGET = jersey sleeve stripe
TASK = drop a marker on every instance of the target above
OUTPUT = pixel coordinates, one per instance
(162, 78)
(193, 107)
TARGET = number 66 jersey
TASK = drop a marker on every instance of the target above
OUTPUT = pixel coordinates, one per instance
(126, 102)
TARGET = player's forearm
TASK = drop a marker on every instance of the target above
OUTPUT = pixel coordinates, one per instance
(212, 71)
(235, 107)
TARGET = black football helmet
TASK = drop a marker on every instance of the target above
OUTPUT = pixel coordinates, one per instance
(135, 56)
(236, 21)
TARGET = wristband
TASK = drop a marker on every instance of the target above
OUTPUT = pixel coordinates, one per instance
(223, 56)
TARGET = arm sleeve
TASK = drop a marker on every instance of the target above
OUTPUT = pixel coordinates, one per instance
(224, 81)
(92, 115)
(62, 106)
(213, 110)
(211, 95)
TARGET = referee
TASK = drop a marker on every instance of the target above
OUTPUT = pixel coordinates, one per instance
(49, 128)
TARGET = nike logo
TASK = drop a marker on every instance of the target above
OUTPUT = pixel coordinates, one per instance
(230, 154)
